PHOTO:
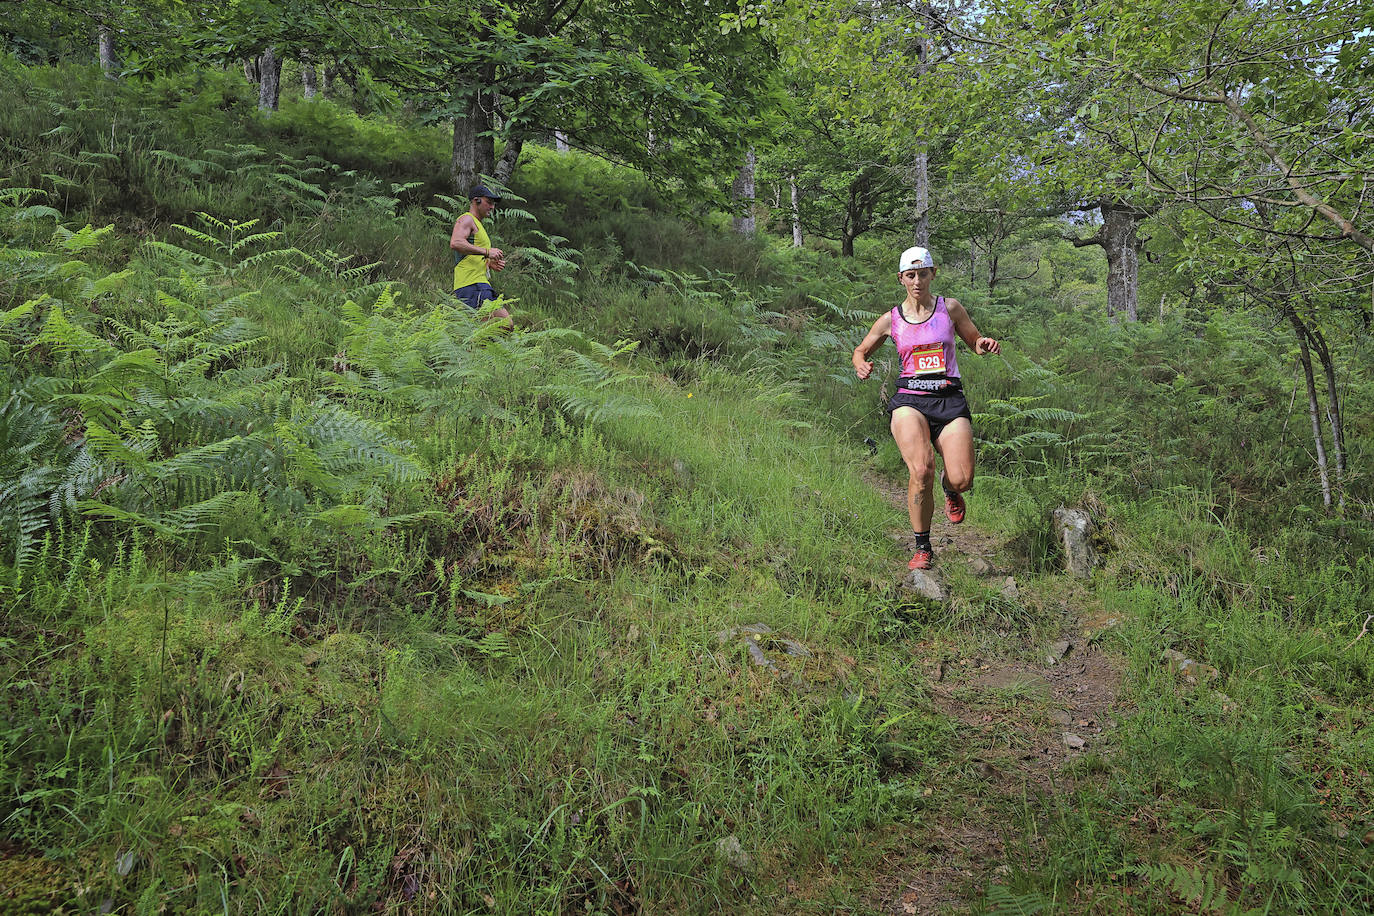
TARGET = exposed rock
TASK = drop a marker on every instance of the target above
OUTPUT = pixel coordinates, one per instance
(924, 584)
(731, 853)
(757, 629)
(1192, 672)
(794, 648)
(1061, 717)
(756, 654)
(1009, 589)
(1057, 650)
(1073, 529)
(979, 566)
(1074, 742)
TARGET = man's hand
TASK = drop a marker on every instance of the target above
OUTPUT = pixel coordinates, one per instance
(986, 345)
(496, 254)
(497, 263)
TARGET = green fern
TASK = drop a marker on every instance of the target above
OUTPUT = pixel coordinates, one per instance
(1202, 892)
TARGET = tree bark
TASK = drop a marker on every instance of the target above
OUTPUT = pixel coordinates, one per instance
(109, 57)
(742, 193)
(309, 86)
(796, 212)
(1334, 419)
(269, 79)
(560, 141)
(327, 84)
(1313, 406)
(922, 189)
(474, 150)
(1123, 260)
(509, 157)
(1118, 238)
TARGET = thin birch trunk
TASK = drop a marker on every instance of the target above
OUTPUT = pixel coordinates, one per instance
(309, 83)
(796, 212)
(109, 57)
(1313, 407)
(1334, 419)
(560, 141)
(743, 194)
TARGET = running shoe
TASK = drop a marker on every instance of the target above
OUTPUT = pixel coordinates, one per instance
(955, 507)
(921, 559)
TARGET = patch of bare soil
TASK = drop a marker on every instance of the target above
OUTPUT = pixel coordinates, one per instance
(1020, 723)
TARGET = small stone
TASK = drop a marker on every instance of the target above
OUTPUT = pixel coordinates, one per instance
(757, 656)
(794, 648)
(1057, 650)
(979, 566)
(1009, 589)
(1074, 742)
(1061, 717)
(729, 851)
(924, 584)
(1191, 671)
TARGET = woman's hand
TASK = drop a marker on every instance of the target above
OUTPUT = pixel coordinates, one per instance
(986, 345)
(862, 367)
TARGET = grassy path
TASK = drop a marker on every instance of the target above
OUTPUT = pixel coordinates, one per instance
(1031, 715)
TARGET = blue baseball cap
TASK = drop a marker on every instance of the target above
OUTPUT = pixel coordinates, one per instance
(482, 190)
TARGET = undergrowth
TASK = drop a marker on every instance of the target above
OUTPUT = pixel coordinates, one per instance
(322, 593)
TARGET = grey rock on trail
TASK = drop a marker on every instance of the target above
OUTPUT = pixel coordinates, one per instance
(924, 584)
(1073, 528)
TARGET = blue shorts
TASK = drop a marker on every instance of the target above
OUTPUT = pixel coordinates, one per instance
(475, 294)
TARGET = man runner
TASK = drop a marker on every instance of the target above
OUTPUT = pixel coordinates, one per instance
(474, 258)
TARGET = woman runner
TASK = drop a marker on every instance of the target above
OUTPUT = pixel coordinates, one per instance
(929, 413)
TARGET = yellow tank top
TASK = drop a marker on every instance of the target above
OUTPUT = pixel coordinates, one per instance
(473, 268)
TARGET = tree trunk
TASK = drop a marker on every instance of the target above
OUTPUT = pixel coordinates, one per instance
(921, 167)
(796, 212)
(269, 79)
(1123, 260)
(922, 187)
(474, 151)
(1118, 239)
(327, 84)
(109, 58)
(560, 141)
(250, 70)
(992, 271)
(1334, 419)
(742, 193)
(509, 157)
(1313, 407)
(309, 86)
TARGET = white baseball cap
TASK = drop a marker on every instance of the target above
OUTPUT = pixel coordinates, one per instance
(915, 258)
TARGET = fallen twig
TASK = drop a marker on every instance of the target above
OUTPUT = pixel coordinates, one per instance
(1363, 630)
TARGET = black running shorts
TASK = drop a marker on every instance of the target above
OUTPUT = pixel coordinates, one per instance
(940, 410)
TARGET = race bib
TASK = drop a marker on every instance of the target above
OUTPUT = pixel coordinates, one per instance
(928, 359)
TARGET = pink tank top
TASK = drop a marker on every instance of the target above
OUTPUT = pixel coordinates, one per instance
(929, 364)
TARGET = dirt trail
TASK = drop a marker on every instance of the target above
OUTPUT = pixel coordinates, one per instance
(1019, 722)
